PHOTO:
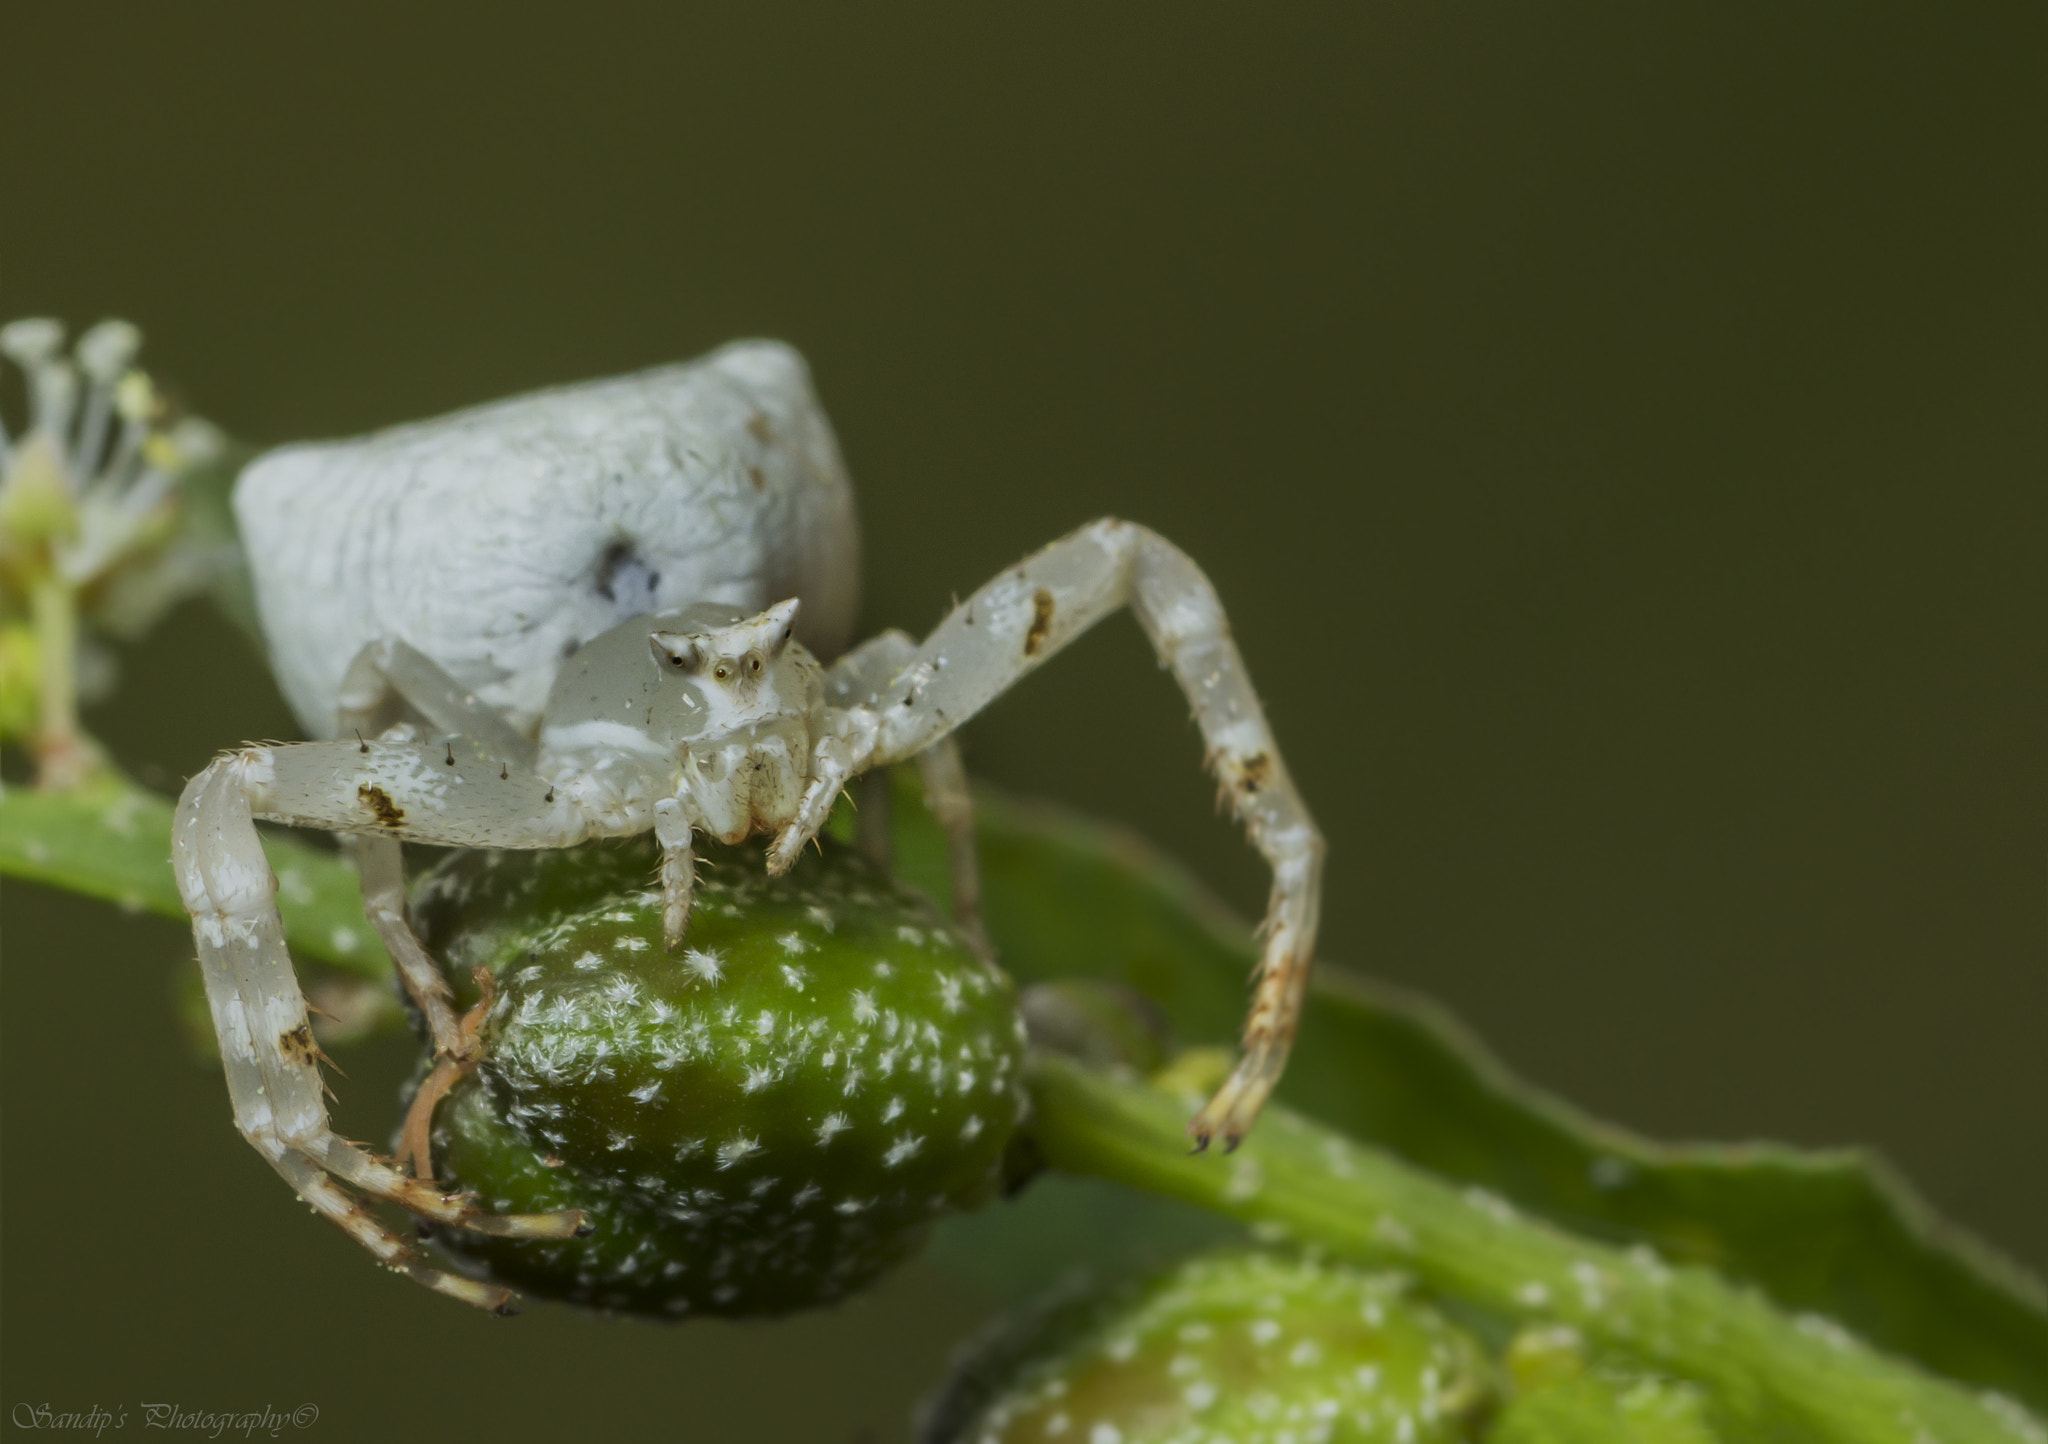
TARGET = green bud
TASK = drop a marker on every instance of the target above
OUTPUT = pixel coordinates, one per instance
(1254, 1348)
(36, 505)
(761, 1122)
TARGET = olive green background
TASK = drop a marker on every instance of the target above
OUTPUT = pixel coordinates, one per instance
(1618, 436)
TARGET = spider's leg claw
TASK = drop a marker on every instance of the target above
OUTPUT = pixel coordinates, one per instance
(787, 847)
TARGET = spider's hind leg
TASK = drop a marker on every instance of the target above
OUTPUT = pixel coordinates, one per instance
(380, 869)
(874, 818)
(389, 678)
(946, 793)
(415, 1140)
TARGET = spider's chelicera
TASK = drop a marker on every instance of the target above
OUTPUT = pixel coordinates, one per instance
(700, 711)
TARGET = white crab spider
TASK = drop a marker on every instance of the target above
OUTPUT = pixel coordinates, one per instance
(547, 620)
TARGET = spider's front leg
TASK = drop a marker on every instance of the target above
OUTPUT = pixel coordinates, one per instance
(259, 1013)
(1009, 628)
(856, 687)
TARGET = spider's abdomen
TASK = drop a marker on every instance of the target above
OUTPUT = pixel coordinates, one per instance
(499, 539)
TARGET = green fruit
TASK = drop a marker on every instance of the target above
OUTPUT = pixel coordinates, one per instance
(764, 1121)
(1249, 1347)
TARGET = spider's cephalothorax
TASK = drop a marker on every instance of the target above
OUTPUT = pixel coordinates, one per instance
(704, 716)
(484, 714)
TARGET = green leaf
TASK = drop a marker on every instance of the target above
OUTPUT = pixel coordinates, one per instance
(1835, 1232)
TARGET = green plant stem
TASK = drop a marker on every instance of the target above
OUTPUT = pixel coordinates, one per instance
(1776, 1376)
(64, 757)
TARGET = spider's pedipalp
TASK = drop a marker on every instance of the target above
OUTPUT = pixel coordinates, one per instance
(672, 825)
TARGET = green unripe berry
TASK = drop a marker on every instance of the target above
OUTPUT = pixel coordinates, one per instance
(1252, 1348)
(763, 1121)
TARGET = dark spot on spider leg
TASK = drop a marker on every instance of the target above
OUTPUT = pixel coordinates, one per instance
(1255, 771)
(1041, 622)
(757, 427)
(298, 1046)
(387, 812)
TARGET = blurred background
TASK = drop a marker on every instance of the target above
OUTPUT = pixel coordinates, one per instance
(1618, 437)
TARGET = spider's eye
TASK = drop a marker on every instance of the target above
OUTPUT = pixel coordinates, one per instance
(753, 666)
(721, 672)
(676, 650)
